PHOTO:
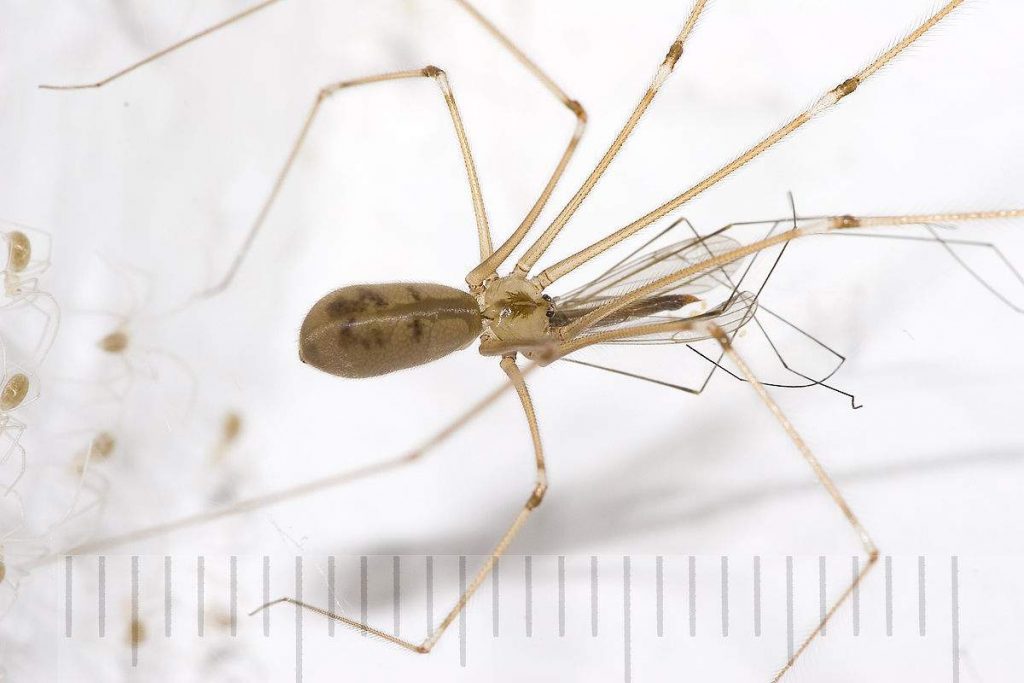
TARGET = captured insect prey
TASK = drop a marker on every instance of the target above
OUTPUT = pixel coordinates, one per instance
(533, 340)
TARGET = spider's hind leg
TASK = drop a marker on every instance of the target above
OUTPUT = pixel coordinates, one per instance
(819, 471)
(515, 375)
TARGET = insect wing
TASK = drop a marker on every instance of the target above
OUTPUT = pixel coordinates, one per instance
(647, 267)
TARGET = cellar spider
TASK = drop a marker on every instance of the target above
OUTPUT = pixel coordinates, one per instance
(26, 258)
(230, 429)
(228, 474)
(100, 448)
(123, 342)
(18, 388)
(370, 330)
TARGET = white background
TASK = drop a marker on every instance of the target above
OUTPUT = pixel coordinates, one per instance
(163, 170)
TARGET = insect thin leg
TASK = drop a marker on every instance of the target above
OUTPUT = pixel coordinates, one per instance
(726, 279)
(948, 245)
(695, 391)
(824, 103)
(819, 226)
(665, 69)
(327, 91)
(165, 51)
(833, 491)
(489, 260)
(488, 267)
(17, 450)
(508, 364)
(275, 497)
(47, 306)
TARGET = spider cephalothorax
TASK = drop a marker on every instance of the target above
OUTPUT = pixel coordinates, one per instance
(516, 316)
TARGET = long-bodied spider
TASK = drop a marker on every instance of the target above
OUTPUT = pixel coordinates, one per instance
(369, 330)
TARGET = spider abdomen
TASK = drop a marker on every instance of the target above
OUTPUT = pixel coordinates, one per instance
(369, 330)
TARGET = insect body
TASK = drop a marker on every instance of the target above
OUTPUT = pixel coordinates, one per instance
(26, 259)
(373, 329)
(17, 389)
(369, 330)
(19, 258)
(14, 391)
(19, 251)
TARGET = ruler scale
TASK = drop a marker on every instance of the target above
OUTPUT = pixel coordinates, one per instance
(750, 611)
